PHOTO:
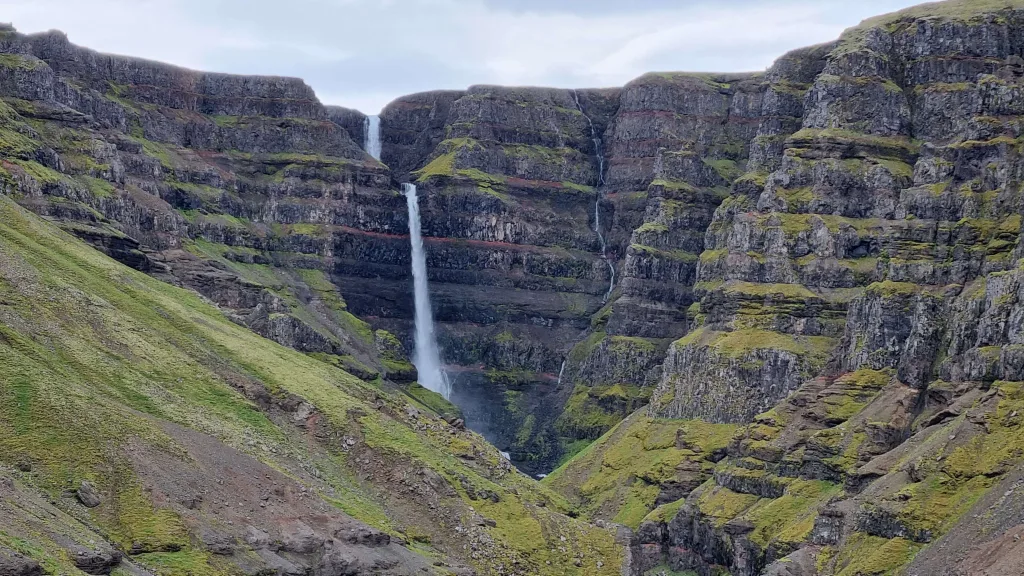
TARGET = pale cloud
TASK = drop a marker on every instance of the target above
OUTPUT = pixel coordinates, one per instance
(364, 53)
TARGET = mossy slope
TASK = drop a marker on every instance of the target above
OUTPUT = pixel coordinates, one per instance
(96, 357)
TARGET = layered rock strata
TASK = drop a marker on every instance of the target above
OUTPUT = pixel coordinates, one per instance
(856, 321)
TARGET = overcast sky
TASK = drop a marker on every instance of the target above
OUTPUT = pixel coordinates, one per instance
(365, 53)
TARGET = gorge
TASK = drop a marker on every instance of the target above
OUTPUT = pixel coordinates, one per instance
(743, 323)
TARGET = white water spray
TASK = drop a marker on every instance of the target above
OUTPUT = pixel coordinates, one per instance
(371, 140)
(427, 358)
(560, 372)
(599, 152)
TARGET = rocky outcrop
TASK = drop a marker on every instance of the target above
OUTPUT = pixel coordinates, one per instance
(412, 127)
(353, 121)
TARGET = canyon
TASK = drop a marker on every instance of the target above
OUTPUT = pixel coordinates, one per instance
(751, 323)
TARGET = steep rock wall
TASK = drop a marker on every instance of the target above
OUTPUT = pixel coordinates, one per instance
(857, 320)
(245, 189)
(507, 180)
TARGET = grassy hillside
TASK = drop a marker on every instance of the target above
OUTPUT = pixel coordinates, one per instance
(145, 390)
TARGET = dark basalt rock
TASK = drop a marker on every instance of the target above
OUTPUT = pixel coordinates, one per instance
(14, 564)
(88, 495)
(95, 561)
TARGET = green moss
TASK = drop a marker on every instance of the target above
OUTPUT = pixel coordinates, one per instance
(619, 475)
(515, 378)
(898, 169)
(306, 229)
(864, 555)
(602, 316)
(739, 342)
(161, 152)
(720, 504)
(726, 169)
(432, 401)
(789, 519)
(796, 198)
(857, 390)
(137, 523)
(630, 344)
(444, 163)
(890, 289)
(992, 142)
(652, 227)
(882, 146)
(97, 187)
(577, 187)
(666, 512)
(189, 563)
(637, 504)
(38, 172)
(956, 480)
(19, 62)
(581, 351)
(52, 559)
(790, 291)
(481, 178)
(854, 39)
(709, 256)
(677, 255)
(673, 185)
(846, 447)
(943, 87)
(592, 410)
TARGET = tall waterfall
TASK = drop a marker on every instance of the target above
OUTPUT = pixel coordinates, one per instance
(427, 358)
(371, 142)
(599, 152)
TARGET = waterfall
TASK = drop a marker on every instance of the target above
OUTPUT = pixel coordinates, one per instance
(560, 372)
(427, 358)
(371, 141)
(599, 152)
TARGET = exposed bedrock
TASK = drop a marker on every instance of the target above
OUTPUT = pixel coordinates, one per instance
(857, 316)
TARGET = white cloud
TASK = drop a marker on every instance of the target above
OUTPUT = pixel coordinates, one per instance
(363, 53)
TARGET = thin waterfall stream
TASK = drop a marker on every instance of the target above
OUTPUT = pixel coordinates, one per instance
(371, 136)
(427, 358)
(599, 152)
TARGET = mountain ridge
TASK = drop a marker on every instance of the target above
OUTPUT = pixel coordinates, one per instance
(816, 267)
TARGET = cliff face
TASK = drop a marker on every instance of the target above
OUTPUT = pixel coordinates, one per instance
(507, 183)
(241, 188)
(856, 324)
(524, 189)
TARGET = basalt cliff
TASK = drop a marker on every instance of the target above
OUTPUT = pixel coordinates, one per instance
(763, 323)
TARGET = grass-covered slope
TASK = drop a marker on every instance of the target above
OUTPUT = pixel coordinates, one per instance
(639, 464)
(196, 434)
